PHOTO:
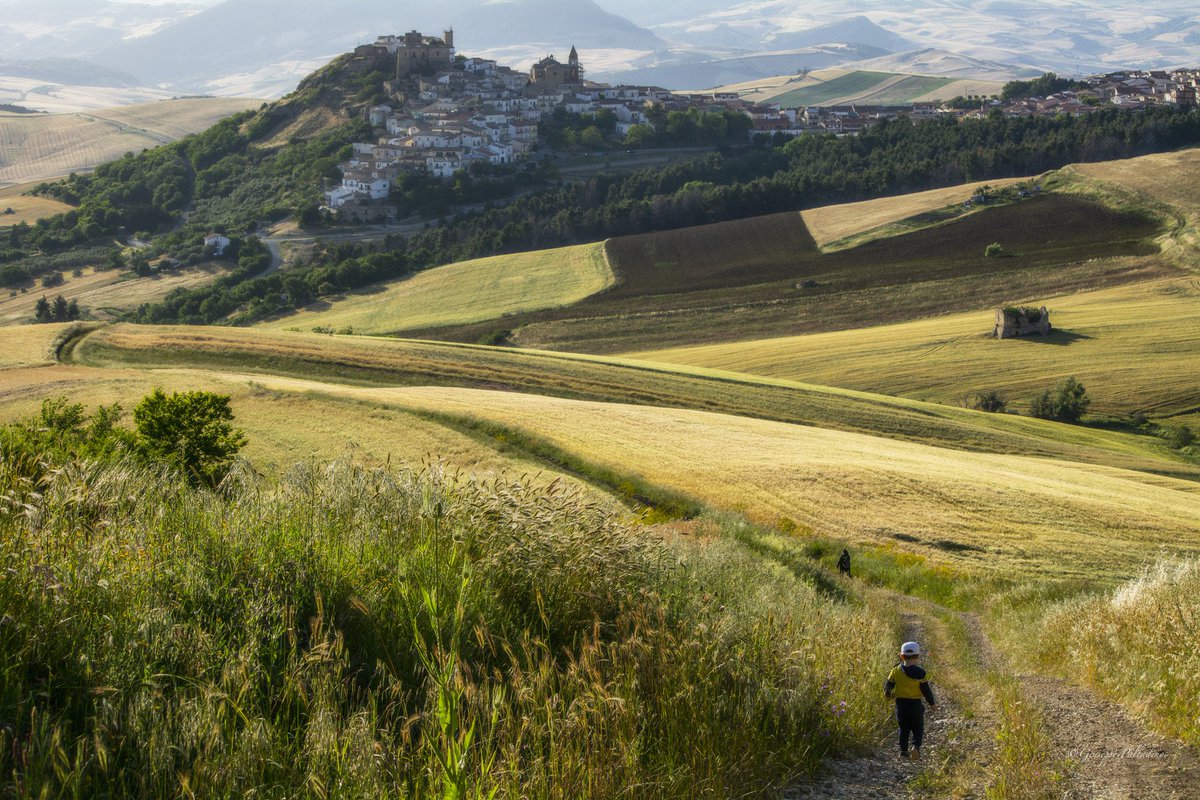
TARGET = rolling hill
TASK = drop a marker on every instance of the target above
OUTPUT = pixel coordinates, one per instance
(979, 506)
(1135, 348)
(466, 292)
(37, 147)
(763, 277)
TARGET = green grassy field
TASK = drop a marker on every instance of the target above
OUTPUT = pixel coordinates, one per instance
(1135, 348)
(850, 84)
(467, 292)
(906, 91)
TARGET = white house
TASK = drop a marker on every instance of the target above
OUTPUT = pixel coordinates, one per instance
(216, 243)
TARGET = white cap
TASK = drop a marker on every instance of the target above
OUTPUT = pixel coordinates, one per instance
(910, 649)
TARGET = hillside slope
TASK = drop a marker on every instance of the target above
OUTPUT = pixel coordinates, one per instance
(36, 147)
(1135, 348)
(391, 362)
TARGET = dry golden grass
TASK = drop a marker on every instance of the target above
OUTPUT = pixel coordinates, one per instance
(105, 294)
(1009, 514)
(28, 345)
(1134, 347)
(26, 209)
(37, 147)
(470, 291)
(1172, 178)
(282, 427)
(310, 123)
(965, 87)
(1165, 184)
(176, 119)
(393, 362)
(828, 224)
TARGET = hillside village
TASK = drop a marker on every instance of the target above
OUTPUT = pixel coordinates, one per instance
(448, 112)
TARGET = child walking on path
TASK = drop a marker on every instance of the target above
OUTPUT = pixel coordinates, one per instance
(908, 683)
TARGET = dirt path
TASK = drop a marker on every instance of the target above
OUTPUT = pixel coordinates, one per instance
(1112, 755)
(951, 735)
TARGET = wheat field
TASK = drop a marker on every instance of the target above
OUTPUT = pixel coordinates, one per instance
(1004, 513)
(392, 362)
(25, 208)
(38, 147)
(829, 224)
(283, 428)
(29, 345)
(105, 294)
(469, 291)
(1135, 348)
(1172, 178)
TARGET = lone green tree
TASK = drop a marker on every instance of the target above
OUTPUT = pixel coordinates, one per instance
(1066, 402)
(190, 430)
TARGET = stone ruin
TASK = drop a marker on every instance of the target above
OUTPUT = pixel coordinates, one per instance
(1021, 321)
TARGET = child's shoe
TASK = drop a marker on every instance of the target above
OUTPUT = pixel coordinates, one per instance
(916, 754)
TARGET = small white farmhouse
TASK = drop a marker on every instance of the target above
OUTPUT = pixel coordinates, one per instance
(216, 243)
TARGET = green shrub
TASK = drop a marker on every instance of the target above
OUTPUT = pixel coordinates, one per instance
(1180, 436)
(190, 431)
(990, 400)
(993, 250)
(1066, 402)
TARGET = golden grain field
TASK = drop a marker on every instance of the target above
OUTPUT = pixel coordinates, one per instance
(828, 224)
(105, 294)
(37, 147)
(1135, 348)
(391, 362)
(1172, 178)
(469, 291)
(283, 428)
(25, 208)
(28, 345)
(1010, 514)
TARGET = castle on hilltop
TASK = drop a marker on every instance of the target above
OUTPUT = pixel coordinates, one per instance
(550, 73)
(414, 52)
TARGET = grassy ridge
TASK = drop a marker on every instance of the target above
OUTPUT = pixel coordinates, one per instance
(284, 428)
(466, 292)
(828, 224)
(398, 362)
(1135, 348)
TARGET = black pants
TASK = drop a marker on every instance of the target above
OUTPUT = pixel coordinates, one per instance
(911, 716)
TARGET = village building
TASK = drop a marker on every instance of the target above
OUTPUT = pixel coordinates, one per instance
(550, 74)
(215, 243)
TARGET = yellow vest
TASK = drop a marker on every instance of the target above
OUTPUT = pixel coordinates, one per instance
(906, 688)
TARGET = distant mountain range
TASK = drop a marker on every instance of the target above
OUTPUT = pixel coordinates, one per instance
(264, 47)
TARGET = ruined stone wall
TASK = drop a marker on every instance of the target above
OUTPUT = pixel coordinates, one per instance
(1014, 322)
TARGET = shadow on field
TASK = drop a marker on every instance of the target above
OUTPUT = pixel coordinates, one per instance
(1058, 337)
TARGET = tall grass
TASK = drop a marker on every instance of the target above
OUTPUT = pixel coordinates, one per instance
(1139, 644)
(347, 632)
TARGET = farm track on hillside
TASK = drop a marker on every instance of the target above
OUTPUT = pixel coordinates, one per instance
(1109, 754)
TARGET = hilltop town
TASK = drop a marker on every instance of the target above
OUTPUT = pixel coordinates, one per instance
(447, 112)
